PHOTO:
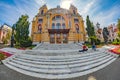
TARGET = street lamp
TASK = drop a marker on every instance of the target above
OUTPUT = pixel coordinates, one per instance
(12, 36)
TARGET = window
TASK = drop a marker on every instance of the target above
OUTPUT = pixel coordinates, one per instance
(74, 12)
(63, 19)
(77, 28)
(76, 20)
(69, 24)
(53, 26)
(58, 26)
(58, 17)
(42, 12)
(39, 28)
(63, 26)
(40, 20)
(58, 22)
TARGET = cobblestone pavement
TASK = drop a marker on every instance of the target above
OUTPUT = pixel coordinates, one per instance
(111, 72)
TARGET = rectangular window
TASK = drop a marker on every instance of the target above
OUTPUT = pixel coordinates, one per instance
(40, 20)
(76, 20)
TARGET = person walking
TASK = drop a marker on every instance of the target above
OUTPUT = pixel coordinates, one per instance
(93, 46)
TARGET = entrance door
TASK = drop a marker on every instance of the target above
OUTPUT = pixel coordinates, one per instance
(65, 38)
(58, 38)
(52, 38)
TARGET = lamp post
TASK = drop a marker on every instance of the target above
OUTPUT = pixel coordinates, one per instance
(12, 36)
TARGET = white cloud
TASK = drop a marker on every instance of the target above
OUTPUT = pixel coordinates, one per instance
(87, 7)
(93, 9)
(66, 3)
(40, 2)
(105, 18)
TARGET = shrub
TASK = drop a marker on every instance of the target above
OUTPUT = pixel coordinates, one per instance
(2, 56)
(95, 40)
(26, 43)
(116, 42)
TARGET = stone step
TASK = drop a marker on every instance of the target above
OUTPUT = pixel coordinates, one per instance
(59, 56)
(58, 71)
(79, 60)
(57, 52)
(55, 66)
(57, 46)
(79, 72)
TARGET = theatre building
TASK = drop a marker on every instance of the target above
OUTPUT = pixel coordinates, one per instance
(58, 26)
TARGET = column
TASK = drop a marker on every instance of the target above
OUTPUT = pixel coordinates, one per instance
(55, 38)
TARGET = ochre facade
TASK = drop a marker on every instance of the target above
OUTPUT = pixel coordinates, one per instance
(58, 25)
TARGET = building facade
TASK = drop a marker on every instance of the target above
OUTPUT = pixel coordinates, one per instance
(5, 34)
(99, 32)
(113, 32)
(58, 25)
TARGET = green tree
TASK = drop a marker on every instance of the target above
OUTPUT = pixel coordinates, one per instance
(22, 31)
(90, 30)
(118, 25)
(105, 34)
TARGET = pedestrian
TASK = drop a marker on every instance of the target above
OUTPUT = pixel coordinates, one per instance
(93, 46)
(84, 48)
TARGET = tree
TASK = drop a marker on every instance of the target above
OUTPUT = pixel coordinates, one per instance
(90, 29)
(22, 31)
(105, 34)
(118, 26)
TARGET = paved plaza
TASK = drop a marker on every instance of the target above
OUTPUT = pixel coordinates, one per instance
(60, 61)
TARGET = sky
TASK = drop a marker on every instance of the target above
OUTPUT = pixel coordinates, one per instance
(105, 12)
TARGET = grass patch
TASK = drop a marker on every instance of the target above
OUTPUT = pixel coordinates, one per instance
(30, 47)
(2, 56)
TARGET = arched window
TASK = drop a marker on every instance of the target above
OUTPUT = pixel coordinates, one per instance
(77, 28)
(63, 26)
(39, 28)
(40, 20)
(74, 12)
(58, 25)
(42, 12)
(58, 17)
(53, 25)
(63, 18)
(58, 21)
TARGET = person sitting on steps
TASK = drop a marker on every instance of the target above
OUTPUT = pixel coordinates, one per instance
(84, 48)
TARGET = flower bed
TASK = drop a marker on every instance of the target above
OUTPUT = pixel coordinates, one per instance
(5, 53)
(116, 50)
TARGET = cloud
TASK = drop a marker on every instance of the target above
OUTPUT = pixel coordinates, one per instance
(40, 2)
(97, 12)
(11, 13)
(87, 7)
(65, 3)
(105, 18)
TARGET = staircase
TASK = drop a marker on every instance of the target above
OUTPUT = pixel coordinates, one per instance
(47, 46)
(59, 65)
